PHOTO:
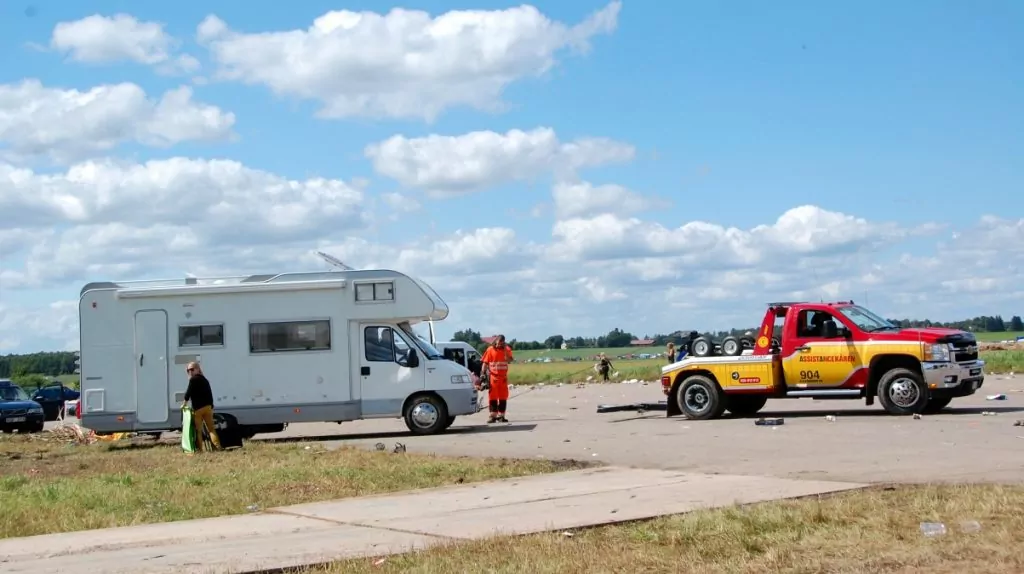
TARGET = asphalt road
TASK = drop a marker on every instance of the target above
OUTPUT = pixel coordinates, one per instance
(863, 444)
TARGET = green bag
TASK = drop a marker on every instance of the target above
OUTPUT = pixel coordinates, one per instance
(188, 430)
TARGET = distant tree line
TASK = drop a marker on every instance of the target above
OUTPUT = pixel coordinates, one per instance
(619, 338)
(49, 364)
(63, 362)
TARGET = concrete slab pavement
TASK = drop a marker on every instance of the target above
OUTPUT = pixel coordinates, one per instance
(318, 532)
(863, 444)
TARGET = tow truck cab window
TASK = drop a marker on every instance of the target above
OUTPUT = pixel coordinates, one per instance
(810, 323)
(457, 355)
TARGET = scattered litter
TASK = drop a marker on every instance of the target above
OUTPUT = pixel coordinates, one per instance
(566, 440)
(72, 433)
(595, 454)
(830, 418)
(988, 413)
(253, 508)
(917, 417)
(932, 529)
(970, 526)
(380, 561)
(308, 447)
(763, 422)
(1018, 423)
(380, 446)
(568, 534)
(999, 397)
(399, 447)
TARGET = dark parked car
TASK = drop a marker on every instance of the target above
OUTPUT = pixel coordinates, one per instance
(17, 410)
(52, 397)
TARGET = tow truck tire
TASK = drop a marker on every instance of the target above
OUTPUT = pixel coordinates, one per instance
(700, 398)
(936, 404)
(745, 405)
(902, 392)
(702, 347)
(732, 347)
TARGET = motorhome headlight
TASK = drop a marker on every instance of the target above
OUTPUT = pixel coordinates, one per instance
(35, 410)
(461, 380)
(937, 353)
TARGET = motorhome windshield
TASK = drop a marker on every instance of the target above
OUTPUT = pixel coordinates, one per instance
(428, 350)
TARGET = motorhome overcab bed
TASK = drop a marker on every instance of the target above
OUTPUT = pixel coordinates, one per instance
(291, 347)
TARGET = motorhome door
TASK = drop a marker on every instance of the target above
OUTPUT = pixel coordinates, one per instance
(152, 392)
(386, 378)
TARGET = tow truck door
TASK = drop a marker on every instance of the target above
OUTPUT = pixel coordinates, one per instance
(811, 361)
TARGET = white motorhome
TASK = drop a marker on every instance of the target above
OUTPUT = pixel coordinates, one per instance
(290, 347)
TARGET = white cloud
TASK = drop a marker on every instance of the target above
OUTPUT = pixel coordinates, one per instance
(583, 199)
(447, 166)
(51, 327)
(101, 39)
(68, 124)
(403, 64)
(108, 218)
(399, 203)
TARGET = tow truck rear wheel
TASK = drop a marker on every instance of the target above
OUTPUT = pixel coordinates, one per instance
(902, 392)
(700, 398)
(745, 405)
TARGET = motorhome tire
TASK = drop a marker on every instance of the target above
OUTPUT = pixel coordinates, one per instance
(702, 347)
(902, 392)
(426, 414)
(731, 347)
(700, 398)
(745, 405)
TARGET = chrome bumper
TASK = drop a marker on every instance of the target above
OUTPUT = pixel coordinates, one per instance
(954, 375)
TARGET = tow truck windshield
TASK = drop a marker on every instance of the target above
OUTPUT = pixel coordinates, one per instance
(866, 320)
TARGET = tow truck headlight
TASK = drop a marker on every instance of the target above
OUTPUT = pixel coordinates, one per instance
(937, 353)
(461, 380)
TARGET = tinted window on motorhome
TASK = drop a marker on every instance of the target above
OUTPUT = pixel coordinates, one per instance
(200, 335)
(290, 336)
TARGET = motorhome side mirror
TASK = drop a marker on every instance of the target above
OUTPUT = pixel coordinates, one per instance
(831, 331)
(413, 360)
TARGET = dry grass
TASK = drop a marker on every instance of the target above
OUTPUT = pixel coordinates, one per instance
(871, 531)
(51, 486)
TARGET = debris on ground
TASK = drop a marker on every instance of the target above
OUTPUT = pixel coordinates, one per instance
(917, 417)
(763, 422)
(399, 447)
(988, 413)
(380, 446)
(931, 529)
(970, 526)
(72, 433)
(830, 418)
(999, 397)
(253, 508)
(1018, 423)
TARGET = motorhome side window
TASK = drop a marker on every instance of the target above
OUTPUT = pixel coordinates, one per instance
(371, 292)
(200, 335)
(280, 336)
(384, 345)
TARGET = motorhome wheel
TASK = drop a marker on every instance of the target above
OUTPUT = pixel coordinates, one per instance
(426, 414)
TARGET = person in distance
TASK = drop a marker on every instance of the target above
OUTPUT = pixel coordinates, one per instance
(495, 362)
(201, 395)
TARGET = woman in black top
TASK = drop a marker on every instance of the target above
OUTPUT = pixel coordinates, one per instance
(201, 395)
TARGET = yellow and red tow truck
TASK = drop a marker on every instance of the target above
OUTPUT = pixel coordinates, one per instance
(837, 350)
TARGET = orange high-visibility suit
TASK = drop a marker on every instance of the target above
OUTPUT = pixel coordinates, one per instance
(496, 359)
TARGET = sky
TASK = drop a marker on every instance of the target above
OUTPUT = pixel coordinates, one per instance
(550, 168)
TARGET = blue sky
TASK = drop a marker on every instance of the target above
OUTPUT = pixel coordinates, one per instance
(903, 114)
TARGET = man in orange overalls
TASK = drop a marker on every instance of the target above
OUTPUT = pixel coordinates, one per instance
(495, 363)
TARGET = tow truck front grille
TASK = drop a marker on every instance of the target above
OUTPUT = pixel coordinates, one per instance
(965, 352)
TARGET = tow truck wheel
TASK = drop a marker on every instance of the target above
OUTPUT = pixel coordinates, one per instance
(731, 346)
(700, 398)
(903, 392)
(746, 405)
(702, 347)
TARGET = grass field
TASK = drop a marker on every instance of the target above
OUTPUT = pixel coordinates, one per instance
(877, 530)
(1006, 336)
(649, 369)
(50, 486)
